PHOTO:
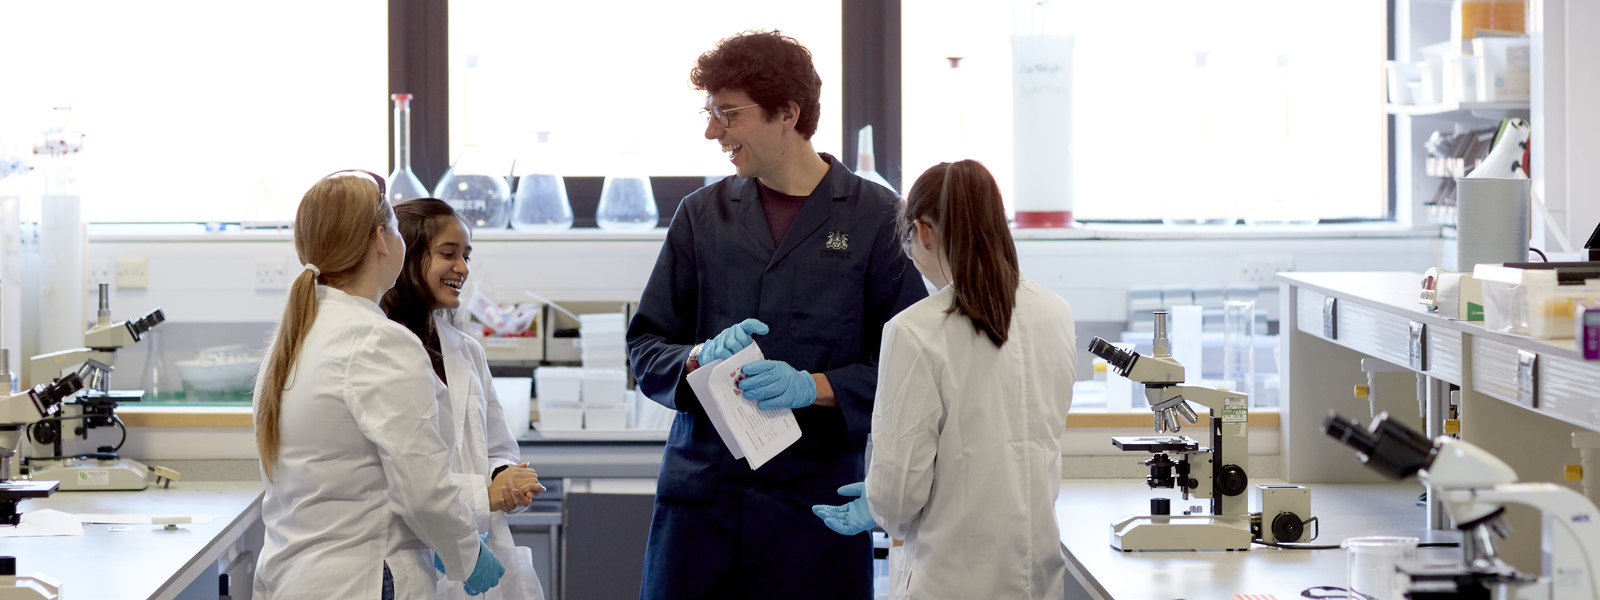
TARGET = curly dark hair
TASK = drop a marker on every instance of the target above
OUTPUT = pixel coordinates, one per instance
(771, 68)
(409, 302)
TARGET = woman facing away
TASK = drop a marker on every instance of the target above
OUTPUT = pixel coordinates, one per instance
(485, 460)
(348, 426)
(974, 384)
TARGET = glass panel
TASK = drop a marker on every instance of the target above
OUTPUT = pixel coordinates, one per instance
(1261, 109)
(610, 79)
(199, 110)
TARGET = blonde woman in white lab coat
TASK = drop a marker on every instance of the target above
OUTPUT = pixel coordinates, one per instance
(484, 458)
(974, 383)
(348, 426)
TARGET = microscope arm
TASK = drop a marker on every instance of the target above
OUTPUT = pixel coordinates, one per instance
(45, 368)
(1211, 398)
(1576, 514)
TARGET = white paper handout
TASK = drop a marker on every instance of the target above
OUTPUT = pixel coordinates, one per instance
(44, 523)
(750, 433)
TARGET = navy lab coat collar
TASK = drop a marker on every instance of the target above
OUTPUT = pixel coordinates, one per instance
(813, 215)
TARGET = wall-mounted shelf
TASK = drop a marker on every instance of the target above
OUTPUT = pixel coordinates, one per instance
(1455, 110)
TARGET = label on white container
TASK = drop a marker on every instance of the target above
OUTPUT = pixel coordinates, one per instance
(94, 477)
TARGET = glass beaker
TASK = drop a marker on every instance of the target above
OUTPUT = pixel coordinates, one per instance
(403, 184)
(1373, 563)
(1239, 348)
(627, 203)
(478, 190)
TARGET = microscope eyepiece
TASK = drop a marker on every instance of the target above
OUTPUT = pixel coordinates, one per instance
(1118, 358)
(47, 397)
(146, 322)
(1390, 448)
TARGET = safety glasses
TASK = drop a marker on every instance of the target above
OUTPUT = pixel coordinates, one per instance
(383, 188)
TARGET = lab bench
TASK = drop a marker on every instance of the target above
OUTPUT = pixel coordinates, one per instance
(1095, 570)
(588, 531)
(117, 562)
(1519, 398)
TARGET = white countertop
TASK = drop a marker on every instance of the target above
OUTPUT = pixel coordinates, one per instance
(1087, 507)
(145, 561)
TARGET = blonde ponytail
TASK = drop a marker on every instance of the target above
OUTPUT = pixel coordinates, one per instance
(332, 229)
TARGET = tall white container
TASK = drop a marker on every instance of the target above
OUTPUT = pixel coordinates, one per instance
(1041, 98)
(62, 319)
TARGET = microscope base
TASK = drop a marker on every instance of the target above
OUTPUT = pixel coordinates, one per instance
(34, 587)
(1180, 532)
(92, 475)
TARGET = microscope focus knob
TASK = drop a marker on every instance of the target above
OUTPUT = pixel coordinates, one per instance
(1232, 481)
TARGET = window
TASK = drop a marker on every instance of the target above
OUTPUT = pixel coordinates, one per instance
(198, 110)
(1181, 109)
(610, 81)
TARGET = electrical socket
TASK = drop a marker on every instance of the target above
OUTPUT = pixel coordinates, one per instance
(271, 274)
(133, 273)
(1259, 269)
(98, 273)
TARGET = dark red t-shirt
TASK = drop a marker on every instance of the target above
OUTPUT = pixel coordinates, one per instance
(781, 210)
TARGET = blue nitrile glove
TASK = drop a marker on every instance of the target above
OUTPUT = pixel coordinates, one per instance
(847, 519)
(483, 538)
(731, 341)
(775, 384)
(486, 574)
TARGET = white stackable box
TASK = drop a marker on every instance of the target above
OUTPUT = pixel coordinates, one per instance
(514, 394)
(560, 416)
(604, 340)
(605, 417)
(558, 384)
(604, 387)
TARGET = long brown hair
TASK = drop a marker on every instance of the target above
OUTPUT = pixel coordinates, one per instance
(333, 229)
(961, 202)
(409, 302)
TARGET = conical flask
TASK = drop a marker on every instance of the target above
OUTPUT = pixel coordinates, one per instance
(866, 166)
(403, 184)
(540, 202)
(627, 200)
(476, 187)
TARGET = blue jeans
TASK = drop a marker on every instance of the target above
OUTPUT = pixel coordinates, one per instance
(388, 583)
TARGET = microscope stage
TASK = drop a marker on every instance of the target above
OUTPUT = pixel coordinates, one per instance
(1156, 443)
(28, 489)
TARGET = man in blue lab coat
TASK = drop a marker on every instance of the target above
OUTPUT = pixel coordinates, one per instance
(808, 251)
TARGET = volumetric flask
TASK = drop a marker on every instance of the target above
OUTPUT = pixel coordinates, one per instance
(540, 204)
(627, 204)
(1239, 348)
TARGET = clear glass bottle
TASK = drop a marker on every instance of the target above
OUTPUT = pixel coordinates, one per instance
(1239, 348)
(155, 367)
(866, 163)
(403, 184)
(540, 202)
(476, 187)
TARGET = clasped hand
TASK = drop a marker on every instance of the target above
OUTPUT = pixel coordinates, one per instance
(514, 488)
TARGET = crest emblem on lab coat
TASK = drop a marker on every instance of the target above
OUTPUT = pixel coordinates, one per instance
(838, 240)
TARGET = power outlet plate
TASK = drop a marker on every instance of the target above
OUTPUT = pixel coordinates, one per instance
(271, 274)
(101, 272)
(133, 273)
(1259, 269)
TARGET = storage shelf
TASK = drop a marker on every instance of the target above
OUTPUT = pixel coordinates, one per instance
(1483, 110)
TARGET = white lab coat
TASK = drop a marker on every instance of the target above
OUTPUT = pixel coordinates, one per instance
(362, 474)
(483, 443)
(966, 458)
